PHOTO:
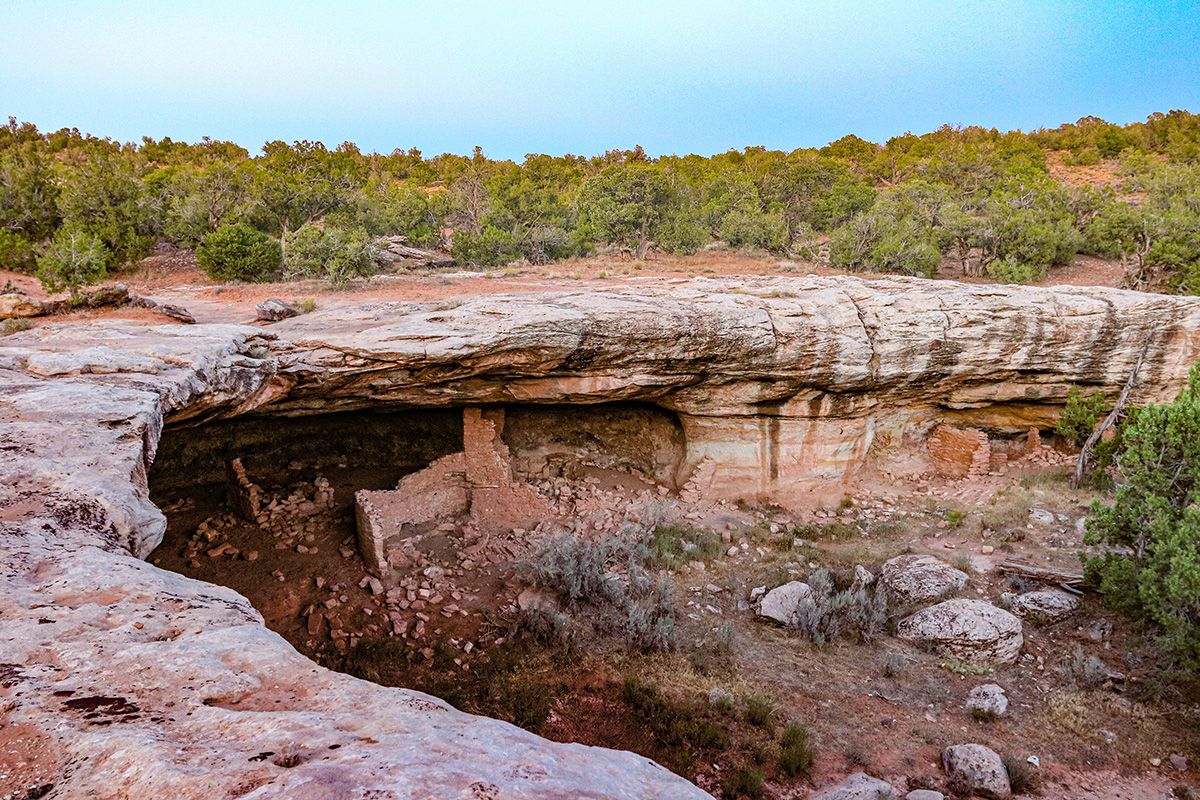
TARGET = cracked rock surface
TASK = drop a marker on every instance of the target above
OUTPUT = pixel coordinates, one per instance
(148, 683)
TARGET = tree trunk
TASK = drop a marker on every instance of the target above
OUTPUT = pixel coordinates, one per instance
(283, 248)
(1084, 466)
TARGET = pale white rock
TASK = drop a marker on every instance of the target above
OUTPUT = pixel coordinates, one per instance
(972, 630)
(915, 578)
(781, 603)
(924, 794)
(859, 786)
(1045, 606)
(863, 578)
(988, 699)
(972, 769)
(834, 361)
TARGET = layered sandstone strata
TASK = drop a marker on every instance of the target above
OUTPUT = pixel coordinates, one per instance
(144, 683)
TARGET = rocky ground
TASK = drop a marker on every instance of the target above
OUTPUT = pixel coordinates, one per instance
(128, 677)
(1065, 682)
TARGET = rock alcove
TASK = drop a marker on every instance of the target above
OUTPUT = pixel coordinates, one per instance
(149, 683)
(362, 524)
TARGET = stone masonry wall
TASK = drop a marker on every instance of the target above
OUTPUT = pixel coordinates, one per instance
(960, 452)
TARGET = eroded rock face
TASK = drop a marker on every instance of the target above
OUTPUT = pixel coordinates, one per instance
(781, 382)
(971, 630)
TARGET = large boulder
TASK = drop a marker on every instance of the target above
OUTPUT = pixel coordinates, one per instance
(780, 603)
(973, 769)
(859, 786)
(911, 579)
(1046, 606)
(987, 700)
(972, 630)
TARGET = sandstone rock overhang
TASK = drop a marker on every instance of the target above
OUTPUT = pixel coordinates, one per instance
(149, 683)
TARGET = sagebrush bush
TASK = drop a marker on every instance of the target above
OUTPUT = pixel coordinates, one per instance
(827, 613)
(606, 586)
(239, 253)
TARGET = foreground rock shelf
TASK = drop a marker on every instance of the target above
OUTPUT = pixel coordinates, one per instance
(143, 682)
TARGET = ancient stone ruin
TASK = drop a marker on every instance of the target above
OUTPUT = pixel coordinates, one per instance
(774, 390)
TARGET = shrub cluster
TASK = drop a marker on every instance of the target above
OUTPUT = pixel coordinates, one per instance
(979, 198)
(828, 613)
(605, 588)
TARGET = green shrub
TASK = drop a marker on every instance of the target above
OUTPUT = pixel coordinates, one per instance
(751, 227)
(1006, 270)
(491, 247)
(1020, 774)
(681, 236)
(330, 253)
(1080, 415)
(1151, 531)
(673, 545)
(882, 241)
(679, 724)
(796, 753)
(74, 259)
(760, 711)
(239, 253)
(16, 253)
(746, 781)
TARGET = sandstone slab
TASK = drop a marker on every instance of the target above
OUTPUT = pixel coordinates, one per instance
(1045, 606)
(859, 786)
(774, 382)
(988, 700)
(781, 603)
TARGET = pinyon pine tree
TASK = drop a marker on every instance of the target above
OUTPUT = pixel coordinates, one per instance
(1151, 532)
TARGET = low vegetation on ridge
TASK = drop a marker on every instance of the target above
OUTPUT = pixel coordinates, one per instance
(75, 207)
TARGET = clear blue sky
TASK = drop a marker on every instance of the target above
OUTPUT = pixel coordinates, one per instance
(583, 77)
